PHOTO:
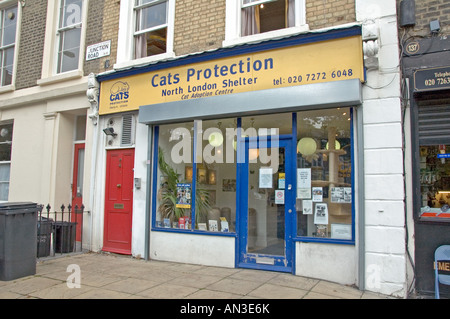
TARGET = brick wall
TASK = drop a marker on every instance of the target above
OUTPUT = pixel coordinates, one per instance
(29, 64)
(199, 25)
(110, 31)
(102, 25)
(93, 33)
(327, 13)
(428, 10)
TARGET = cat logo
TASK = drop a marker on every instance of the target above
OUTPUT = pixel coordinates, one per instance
(120, 91)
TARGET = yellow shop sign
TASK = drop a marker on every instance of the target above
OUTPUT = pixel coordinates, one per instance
(332, 60)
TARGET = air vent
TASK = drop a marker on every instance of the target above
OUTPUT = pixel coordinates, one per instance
(127, 138)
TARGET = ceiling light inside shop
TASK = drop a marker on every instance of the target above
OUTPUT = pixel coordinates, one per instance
(337, 145)
(215, 139)
(307, 146)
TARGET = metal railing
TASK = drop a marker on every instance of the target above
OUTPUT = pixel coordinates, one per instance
(59, 232)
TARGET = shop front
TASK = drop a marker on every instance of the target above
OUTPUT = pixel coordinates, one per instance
(426, 66)
(251, 153)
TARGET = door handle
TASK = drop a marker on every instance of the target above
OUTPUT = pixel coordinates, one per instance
(118, 185)
(289, 187)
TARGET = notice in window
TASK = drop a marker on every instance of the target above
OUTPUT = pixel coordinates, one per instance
(321, 214)
(265, 177)
(304, 183)
(183, 196)
(341, 194)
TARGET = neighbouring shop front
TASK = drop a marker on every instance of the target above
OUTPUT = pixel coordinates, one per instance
(251, 151)
(427, 68)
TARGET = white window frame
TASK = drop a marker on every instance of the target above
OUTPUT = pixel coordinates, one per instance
(127, 25)
(60, 33)
(6, 5)
(51, 46)
(7, 162)
(233, 23)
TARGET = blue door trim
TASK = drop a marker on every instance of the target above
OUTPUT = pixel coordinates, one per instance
(250, 260)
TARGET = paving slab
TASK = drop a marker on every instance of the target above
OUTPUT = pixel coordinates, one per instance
(270, 291)
(110, 276)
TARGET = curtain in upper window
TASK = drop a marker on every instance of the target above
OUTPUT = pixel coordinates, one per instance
(260, 16)
(150, 37)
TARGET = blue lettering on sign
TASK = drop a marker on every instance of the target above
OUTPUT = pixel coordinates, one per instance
(443, 156)
(241, 67)
(119, 91)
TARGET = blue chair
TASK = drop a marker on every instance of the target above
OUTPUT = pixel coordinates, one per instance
(442, 253)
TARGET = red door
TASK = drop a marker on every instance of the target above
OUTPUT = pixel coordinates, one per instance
(77, 188)
(118, 201)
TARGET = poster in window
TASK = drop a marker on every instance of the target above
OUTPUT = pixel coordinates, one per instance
(183, 196)
(304, 193)
(281, 180)
(304, 183)
(307, 206)
(303, 178)
(265, 177)
(341, 195)
(213, 225)
(317, 194)
(321, 214)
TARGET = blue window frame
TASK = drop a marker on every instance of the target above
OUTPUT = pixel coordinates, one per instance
(342, 190)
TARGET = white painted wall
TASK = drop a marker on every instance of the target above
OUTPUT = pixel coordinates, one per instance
(193, 249)
(139, 195)
(385, 258)
(336, 263)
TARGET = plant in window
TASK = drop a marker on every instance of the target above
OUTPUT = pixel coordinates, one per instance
(167, 195)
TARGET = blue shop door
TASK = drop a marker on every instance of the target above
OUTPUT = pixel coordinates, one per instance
(267, 204)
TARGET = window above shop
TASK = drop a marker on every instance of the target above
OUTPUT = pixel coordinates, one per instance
(69, 35)
(8, 28)
(150, 36)
(64, 41)
(145, 31)
(254, 20)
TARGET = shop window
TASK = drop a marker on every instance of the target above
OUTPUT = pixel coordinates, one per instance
(434, 152)
(69, 35)
(6, 132)
(205, 187)
(324, 174)
(215, 203)
(174, 181)
(8, 27)
(150, 37)
(435, 179)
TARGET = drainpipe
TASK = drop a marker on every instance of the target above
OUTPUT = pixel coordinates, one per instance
(93, 97)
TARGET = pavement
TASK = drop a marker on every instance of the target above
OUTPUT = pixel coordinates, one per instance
(110, 276)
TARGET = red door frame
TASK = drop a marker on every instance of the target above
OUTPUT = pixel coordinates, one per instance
(76, 199)
(119, 184)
